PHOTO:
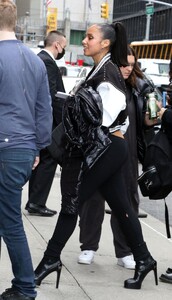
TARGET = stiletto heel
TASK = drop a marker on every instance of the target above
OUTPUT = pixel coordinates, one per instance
(155, 273)
(58, 276)
(142, 269)
(46, 267)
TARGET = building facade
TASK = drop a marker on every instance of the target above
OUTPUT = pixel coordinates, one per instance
(74, 17)
(133, 15)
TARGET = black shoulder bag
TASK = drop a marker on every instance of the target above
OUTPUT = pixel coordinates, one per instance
(57, 146)
(156, 180)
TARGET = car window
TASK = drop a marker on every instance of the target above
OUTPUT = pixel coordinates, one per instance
(157, 69)
(70, 71)
(154, 67)
(163, 69)
(84, 72)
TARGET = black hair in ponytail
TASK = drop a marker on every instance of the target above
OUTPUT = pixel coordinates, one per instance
(116, 33)
(119, 47)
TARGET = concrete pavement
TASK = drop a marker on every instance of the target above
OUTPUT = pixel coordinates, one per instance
(102, 280)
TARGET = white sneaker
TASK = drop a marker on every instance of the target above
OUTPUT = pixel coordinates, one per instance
(86, 257)
(127, 262)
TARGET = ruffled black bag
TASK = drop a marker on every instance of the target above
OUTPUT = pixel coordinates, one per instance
(81, 127)
(82, 121)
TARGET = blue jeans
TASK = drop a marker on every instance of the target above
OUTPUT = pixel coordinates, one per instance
(15, 170)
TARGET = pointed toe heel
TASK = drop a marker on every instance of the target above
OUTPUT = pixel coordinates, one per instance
(141, 271)
(46, 267)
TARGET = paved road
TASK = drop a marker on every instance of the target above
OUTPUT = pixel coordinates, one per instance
(102, 280)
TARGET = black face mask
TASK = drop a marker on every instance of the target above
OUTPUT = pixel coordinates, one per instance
(60, 55)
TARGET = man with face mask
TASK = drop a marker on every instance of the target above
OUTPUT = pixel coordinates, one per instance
(42, 177)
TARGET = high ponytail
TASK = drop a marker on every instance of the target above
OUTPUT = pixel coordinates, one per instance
(119, 47)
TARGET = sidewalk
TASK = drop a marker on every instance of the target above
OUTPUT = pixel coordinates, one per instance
(102, 280)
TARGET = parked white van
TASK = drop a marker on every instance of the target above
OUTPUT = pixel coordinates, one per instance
(156, 69)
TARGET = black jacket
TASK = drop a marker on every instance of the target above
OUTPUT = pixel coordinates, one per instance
(82, 120)
(82, 114)
(167, 122)
(55, 84)
(143, 87)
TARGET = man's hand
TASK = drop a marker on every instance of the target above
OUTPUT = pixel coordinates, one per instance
(36, 162)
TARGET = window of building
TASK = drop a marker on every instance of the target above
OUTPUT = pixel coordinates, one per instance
(76, 37)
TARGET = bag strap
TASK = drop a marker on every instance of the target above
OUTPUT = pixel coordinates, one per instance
(167, 221)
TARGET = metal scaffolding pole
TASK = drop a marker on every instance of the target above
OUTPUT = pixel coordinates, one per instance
(45, 16)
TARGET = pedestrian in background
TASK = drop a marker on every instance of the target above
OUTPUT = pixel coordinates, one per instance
(42, 177)
(107, 45)
(166, 117)
(25, 128)
(92, 212)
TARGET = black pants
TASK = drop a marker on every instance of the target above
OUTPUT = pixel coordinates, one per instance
(91, 219)
(41, 179)
(107, 177)
(92, 215)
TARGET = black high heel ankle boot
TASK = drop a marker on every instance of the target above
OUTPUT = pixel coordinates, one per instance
(47, 266)
(142, 269)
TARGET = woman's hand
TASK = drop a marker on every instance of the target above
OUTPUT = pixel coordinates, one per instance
(150, 122)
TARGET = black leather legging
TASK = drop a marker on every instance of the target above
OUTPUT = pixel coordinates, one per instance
(107, 176)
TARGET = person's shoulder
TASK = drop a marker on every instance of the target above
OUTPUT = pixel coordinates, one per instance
(144, 85)
(33, 59)
(46, 58)
(44, 55)
(113, 72)
(107, 69)
(111, 64)
(112, 68)
(27, 51)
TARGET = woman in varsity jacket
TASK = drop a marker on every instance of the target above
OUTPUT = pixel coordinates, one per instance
(107, 45)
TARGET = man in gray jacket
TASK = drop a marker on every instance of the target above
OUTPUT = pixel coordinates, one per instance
(25, 128)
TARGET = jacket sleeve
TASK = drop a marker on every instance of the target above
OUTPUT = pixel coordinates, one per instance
(43, 113)
(52, 78)
(167, 122)
(55, 84)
